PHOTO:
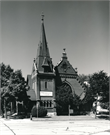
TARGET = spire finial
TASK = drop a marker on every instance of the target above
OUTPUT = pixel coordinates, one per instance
(64, 54)
(34, 60)
(42, 17)
(64, 49)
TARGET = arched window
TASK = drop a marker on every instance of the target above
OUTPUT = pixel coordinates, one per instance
(66, 87)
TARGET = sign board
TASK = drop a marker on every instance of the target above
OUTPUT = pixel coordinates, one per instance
(46, 93)
(70, 111)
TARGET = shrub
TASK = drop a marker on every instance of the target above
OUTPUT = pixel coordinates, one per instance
(40, 112)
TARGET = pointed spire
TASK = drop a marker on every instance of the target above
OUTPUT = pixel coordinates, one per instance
(43, 60)
(43, 48)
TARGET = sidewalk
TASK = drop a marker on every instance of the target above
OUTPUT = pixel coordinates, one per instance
(4, 129)
(60, 125)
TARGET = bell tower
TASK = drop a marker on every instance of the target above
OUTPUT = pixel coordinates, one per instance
(43, 75)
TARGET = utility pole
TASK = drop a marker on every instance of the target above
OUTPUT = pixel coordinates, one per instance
(5, 107)
(96, 107)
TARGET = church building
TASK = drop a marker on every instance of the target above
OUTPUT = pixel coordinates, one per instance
(45, 77)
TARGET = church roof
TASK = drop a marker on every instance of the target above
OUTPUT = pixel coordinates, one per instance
(77, 87)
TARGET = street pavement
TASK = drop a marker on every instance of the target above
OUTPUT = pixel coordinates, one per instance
(56, 125)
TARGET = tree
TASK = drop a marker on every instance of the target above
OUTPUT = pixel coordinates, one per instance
(83, 77)
(64, 98)
(76, 104)
(13, 86)
(17, 85)
(99, 84)
(6, 71)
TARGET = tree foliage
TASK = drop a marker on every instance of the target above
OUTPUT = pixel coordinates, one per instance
(98, 85)
(64, 95)
(64, 98)
(84, 78)
(5, 74)
(13, 85)
(17, 85)
(76, 100)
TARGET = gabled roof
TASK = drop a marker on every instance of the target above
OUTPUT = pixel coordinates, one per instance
(64, 67)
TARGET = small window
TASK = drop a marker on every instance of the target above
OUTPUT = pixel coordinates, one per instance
(45, 85)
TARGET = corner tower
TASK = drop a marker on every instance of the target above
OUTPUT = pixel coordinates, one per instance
(43, 75)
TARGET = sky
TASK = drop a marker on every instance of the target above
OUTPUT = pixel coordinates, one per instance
(82, 27)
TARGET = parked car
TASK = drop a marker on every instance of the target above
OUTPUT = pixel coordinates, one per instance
(100, 110)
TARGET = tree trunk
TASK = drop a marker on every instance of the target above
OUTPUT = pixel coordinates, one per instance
(11, 107)
(16, 107)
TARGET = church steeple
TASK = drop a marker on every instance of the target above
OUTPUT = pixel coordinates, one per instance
(42, 47)
(43, 59)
